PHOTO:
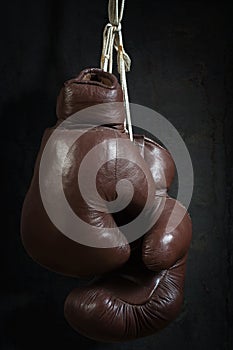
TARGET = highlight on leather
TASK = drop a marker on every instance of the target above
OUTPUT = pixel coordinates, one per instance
(44, 241)
(146, 294)
(138, 284)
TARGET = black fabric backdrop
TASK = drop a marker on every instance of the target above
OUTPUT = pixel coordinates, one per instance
(182, 67)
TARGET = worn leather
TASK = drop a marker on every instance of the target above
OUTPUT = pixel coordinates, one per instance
(146, 294)
(92, 87)
(41, 238)
(138, 287)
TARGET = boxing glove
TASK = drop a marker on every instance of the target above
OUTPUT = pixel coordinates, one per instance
(145, 294)
(90, 114)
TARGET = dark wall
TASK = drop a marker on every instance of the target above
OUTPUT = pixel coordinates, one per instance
(182, 67)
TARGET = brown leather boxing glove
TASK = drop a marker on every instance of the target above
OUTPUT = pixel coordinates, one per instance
(145, 294)
(44, 240)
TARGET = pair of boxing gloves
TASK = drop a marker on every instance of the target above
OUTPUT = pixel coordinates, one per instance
(131, 239)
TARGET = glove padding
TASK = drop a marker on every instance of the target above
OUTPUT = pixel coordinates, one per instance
(145, 294)
(43, 241)
(140, 285)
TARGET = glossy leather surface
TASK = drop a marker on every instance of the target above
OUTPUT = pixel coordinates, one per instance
(146, 294)
(42, 240)
(138, 287)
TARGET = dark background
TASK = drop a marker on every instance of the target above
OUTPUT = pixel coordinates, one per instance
(182, 67)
